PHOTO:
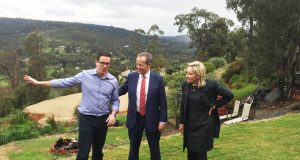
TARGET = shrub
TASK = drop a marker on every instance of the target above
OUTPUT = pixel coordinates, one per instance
(35, 94)
(244, 92)
(46, 130)
(19, 118)
(175, 80)
(7, 105)
(21, 128)
(209, 67)
(236, 66)
(218, 61)
(76, 112)
(20, 96)
(26, 130)
(51, 121)
(174, 100)
(28, 94)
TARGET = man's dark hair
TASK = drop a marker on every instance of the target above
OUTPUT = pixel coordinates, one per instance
(148, 57)
(103, 54)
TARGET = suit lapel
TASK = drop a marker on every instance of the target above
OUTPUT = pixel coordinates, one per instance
(151, 81)
(135, 80)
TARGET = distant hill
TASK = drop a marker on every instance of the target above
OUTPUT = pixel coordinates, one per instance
(13, 32)
(181, 38)
(108, 38)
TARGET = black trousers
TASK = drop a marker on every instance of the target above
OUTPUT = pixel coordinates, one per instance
(135, 137)
(196, 156)
(92, 133)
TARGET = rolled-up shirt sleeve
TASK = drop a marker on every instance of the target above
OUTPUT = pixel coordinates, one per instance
(67, 82)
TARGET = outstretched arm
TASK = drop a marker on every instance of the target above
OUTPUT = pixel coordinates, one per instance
(33, 81)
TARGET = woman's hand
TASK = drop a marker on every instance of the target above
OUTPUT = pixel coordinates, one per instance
(181, 128)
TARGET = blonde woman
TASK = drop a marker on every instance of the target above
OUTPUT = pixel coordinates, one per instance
(199, 119)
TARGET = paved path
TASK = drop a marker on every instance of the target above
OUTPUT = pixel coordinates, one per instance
(63, 107)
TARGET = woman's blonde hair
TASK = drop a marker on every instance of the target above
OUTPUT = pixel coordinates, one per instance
(200, 71)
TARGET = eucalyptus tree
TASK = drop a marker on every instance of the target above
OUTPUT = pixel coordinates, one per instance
(275, 35)
(237, 44)
(34, 44)
(207, 31)
(154, 47)
(10, 64)
(138, 40)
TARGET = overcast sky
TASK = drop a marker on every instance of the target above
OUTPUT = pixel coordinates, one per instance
(128, 14)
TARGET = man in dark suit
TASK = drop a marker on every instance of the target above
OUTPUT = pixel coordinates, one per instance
(147, 106)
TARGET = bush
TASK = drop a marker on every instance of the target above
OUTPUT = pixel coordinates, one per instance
(26, 130)
(28, 94)
(209, 67)
(56, 126)
(19, 118)
(7, 105)
(35, 94)
(234, 68)
(46, 130)
(174, 101)
(51, 121)
(218, 61)
(76, 112)
(244, 92)
(20, 96)
(21, 128)
(175, 80)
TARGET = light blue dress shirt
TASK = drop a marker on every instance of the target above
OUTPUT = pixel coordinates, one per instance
(97, 93)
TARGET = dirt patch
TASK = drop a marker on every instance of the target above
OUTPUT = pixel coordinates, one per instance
(169, 130)
(62, 108)
(36, 116)
(5, 149)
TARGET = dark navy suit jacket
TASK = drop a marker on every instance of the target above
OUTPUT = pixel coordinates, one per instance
(156, 105)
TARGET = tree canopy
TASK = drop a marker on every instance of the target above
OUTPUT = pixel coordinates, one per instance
(207, 31)
(273, 28)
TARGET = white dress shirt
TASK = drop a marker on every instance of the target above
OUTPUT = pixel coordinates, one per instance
(138, 89)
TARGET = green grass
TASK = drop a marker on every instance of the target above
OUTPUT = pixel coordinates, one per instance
(276, 139)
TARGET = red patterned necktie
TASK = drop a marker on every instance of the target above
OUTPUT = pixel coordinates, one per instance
(142, 97)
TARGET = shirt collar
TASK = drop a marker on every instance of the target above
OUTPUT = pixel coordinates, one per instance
(107, 76)
(147, 75)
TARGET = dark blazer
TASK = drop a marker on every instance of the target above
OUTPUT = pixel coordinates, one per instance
(156, 105)
(208, 97)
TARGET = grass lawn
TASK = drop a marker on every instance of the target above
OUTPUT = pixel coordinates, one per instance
(275, 139)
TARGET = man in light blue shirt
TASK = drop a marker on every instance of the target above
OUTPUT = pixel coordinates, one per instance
(99, 90)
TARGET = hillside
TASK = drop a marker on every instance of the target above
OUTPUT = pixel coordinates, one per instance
(88, 36)
(13, 31)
